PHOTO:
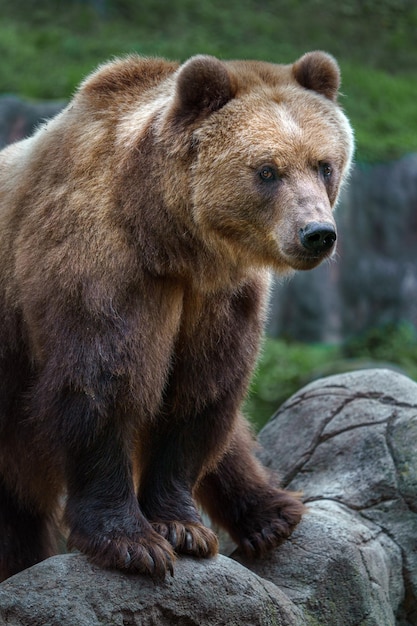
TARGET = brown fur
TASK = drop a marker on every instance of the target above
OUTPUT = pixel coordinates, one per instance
(137, 230)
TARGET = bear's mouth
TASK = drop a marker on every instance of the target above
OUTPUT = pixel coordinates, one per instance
(299, 258)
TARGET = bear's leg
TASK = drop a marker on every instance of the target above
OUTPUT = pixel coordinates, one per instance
(28, 531)
(27, 536)
(91, 399)
(165, 494)
(243, 498)
(102, 511)
(170, 468)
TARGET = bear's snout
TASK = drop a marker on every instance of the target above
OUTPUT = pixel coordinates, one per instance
(318, 236)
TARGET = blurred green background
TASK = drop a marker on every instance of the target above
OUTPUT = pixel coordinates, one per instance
(48, 46)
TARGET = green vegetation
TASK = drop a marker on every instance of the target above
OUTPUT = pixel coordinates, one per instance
(285, 367)
(47, 46)
(282, 370)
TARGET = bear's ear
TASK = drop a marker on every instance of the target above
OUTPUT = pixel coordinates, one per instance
(319, 72)
(203, 86)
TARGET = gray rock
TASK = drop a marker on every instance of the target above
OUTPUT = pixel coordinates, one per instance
(341, 569)
(69, 591)
(19, 118)
(348, 442)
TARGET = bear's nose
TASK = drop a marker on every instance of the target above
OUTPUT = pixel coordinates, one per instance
(318, 237)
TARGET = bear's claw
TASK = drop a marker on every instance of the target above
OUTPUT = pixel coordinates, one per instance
(140, 553)
(189, 538)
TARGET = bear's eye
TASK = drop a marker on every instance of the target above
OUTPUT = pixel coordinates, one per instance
(268, 174)
(326, 170)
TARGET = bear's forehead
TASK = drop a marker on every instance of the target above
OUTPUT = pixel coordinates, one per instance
(274, 124)
(288, 111)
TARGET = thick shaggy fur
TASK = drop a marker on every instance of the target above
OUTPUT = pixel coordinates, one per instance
(137, 231)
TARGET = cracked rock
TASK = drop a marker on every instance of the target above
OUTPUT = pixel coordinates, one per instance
(349, 443)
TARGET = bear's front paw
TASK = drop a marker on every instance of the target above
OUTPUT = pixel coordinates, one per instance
(268, 523)
(189, 538)
(144, 552)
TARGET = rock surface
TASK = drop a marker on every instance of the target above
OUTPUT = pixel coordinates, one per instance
(68, 591)
(349, 443)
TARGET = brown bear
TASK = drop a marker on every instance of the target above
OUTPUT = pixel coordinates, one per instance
(138, 229)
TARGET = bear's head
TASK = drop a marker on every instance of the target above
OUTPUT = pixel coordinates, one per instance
(269, 149)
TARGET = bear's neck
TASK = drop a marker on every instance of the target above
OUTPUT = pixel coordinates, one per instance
(156, 214)
(171, 250)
